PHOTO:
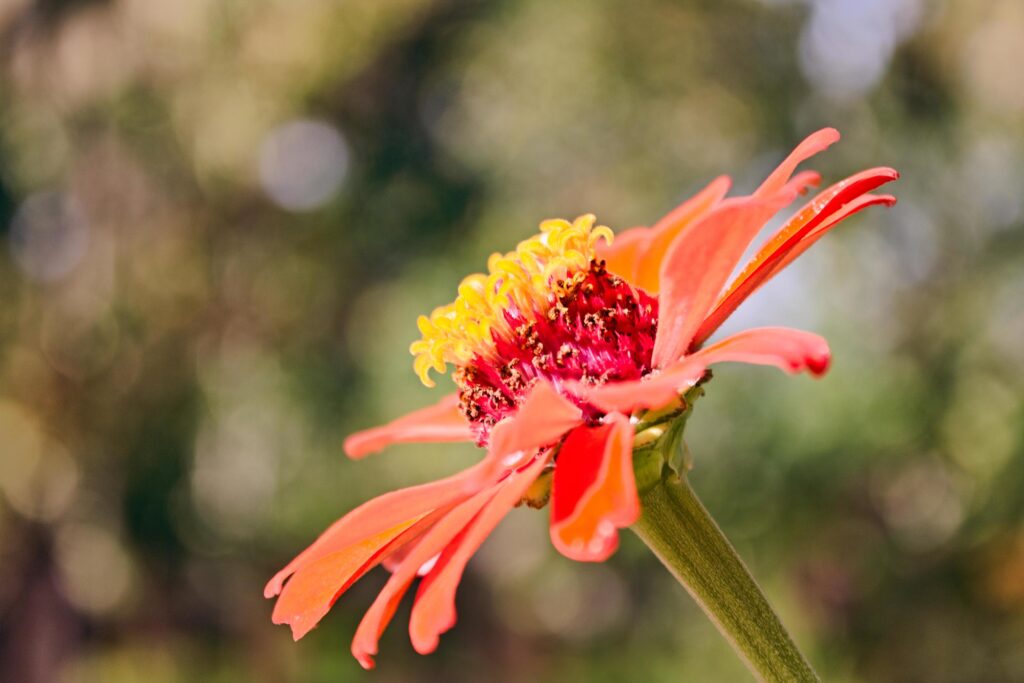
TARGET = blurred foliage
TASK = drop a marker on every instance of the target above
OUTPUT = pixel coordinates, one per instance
(220, 219)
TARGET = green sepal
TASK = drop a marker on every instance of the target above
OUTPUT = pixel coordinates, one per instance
(659, 438)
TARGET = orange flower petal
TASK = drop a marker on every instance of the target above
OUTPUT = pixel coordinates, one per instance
(439, 422)
(594, 493)
(813, 144)
(668, 228)
(698, 264)
(434, 610)
(787, 349)
(804, 180)
(376, 619)
(378, 515)
(622, 255)
(858, 204)
(544, 416)
(772, 257)
(312, 590)
(636, 253)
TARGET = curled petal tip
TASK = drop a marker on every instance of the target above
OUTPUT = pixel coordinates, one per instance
(826, 136)
(806, 181)
(598, 550)
(441, 422)
(819, 365)
(276, 584)
(356, 446)
(425, 644)
(365, 654)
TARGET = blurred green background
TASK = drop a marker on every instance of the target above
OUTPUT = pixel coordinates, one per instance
(220, 219)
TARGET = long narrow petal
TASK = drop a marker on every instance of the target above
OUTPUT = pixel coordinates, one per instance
(829, 207)
(439, 422)
(665, 231)
(542, 418)
(698, 264)
(378, 515)
(809, 238)
(787, 349)
(813, 144)
(594, 493)
(312, 590)
(376, 619)
(433, 613)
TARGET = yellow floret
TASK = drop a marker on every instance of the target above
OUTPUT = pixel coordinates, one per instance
(521, 278)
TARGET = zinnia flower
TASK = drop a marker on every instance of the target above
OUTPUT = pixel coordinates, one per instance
(558, 351)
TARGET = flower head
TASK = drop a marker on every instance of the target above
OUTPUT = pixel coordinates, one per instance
(558, 351)
(549, 311)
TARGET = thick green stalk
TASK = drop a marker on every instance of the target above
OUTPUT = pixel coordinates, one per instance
(676, 526)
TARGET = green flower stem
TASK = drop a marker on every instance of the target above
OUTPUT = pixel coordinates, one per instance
(676, 526)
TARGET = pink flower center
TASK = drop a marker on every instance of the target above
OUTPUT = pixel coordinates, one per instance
(596, 328)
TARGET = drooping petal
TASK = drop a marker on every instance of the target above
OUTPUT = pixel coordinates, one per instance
(376, 619)
(813, 144)
(698, 264)
(662, 233)
(433, 613)
(439, 422)
(378, 515)
(314, 588)
(787, 349)
(543, 417)
(594, 492)
(828, 208)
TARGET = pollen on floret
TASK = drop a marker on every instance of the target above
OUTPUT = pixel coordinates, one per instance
(519, 281)
(597, 329)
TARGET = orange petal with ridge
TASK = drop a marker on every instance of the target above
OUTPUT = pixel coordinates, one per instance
(855, 206)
